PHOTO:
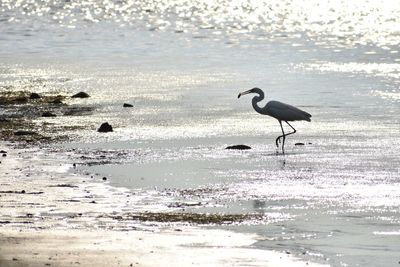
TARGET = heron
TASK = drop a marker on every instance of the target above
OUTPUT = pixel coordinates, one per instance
(278, 110)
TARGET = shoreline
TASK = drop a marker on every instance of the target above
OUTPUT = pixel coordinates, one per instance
(50, 217)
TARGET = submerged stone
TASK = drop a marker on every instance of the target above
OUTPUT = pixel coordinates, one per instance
(238, 147)
(34, 96)
(48, 114)
(105, 128)
(80, 95)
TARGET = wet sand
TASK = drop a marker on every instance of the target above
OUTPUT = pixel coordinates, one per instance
(52, 217)
(193, 247)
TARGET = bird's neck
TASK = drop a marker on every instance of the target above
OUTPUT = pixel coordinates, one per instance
(255, 101)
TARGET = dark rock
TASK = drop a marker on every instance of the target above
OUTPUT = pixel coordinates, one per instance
(23, 192)
(34, 96)
(299, 144)
(80, 95)
(105, 127)
(48, 114)
(3, 151)
(104, 178)
(238, 147)
(126, 105)
(4, 155)
(22, 132)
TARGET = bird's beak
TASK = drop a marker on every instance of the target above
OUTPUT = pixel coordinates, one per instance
(244, 93)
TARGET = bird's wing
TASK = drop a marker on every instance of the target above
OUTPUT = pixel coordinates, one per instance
(286, 112)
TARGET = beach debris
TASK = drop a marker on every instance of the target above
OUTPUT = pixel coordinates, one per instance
(80, 95)
(105, 127)
(238, 147)
(34, 96)
(48, 114)
(299, 144)
(126, 105)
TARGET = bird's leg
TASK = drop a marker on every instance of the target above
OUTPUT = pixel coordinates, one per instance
(278, 139)
(283, 137)
(294, 130)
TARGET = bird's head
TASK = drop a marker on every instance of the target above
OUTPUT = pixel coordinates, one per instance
(254, 90)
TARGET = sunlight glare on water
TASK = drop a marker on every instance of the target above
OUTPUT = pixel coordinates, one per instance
(342, 22)
(333, 197)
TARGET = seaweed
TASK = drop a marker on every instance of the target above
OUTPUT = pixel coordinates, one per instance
(194, 218)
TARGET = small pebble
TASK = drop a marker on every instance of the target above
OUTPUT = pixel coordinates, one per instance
(238, 147)
(80, 95)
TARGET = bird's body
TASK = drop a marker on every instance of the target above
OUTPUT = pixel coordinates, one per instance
(279, 111)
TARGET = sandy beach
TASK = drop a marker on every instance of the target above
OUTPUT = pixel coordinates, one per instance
(50, 217)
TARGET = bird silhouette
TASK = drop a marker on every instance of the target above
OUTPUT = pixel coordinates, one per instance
(279, 111)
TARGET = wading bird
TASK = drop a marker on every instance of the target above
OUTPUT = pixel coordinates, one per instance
(278, 110)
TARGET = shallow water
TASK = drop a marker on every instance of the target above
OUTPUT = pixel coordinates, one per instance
(181, 65)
